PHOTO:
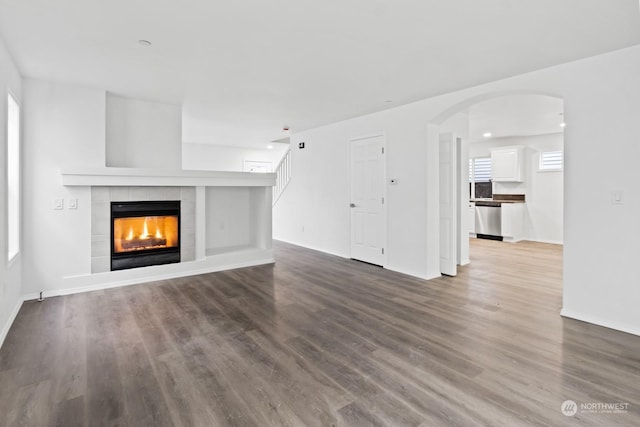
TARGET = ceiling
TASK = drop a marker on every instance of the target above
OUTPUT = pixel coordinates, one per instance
(242, 70)
(515, 115)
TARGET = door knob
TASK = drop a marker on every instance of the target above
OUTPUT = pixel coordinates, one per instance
(352, 205)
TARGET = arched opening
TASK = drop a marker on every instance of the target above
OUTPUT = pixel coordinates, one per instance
(480, 137)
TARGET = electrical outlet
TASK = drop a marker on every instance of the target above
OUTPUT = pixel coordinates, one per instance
(58, 204)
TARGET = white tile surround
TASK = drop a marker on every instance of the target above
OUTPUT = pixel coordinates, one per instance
(226, 222)
(101, 198)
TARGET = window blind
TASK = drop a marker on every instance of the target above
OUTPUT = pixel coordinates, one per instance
(482, 169)
(551, 160)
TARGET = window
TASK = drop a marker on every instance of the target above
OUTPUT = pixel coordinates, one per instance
(480, 169)
(480, 178)
(13, 177)
(551, 161)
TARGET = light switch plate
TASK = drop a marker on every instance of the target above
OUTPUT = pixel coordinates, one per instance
(58, 204)
(73, 203)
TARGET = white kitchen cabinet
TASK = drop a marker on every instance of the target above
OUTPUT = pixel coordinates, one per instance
(507, 164)
(512, 221)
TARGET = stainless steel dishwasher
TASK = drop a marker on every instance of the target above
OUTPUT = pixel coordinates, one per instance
(488, 220)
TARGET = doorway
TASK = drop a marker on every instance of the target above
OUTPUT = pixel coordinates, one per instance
(367, 205)
(532, 123)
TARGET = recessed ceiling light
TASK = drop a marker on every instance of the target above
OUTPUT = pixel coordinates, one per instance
(487, 134)
(563, 124)
(270, 147)
(145, 43)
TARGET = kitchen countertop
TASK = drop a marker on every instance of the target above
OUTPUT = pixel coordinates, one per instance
(502, 198)
(496, 201)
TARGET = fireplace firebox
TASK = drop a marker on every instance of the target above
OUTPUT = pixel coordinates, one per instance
(144, 233)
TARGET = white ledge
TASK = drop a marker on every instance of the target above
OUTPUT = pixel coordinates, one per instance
(164, 178)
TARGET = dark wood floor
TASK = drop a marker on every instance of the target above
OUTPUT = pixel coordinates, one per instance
(319, 340)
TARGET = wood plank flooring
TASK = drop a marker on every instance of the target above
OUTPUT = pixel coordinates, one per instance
(316, 340)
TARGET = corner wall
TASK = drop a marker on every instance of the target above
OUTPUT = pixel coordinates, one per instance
(64, 127)
(10, 272)
(601, 245)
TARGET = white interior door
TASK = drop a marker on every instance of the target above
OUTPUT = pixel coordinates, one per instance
(368, 223)
(448, 204)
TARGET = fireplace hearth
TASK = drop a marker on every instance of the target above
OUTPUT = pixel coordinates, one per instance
(144, 233)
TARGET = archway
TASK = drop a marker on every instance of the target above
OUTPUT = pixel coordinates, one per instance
(539, 135)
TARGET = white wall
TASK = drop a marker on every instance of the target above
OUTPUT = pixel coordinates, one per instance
(601, 245)
(317, 198)
(64, 127)
(225, 158)
(142, 134)
(228, 217)
(543, 213)
(458, 124)
(10, 273)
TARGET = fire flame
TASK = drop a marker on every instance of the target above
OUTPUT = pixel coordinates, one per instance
(145, 230)
(141, 233)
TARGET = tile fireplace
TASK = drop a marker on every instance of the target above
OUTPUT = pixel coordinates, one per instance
(144, 233)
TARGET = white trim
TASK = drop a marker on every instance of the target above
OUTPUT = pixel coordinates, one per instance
(11, 258)
(551, 242)
(147, 279)
(224, 260)
(415, 275)
(10, 320)
(14, 259)
(133, 177)
(623, 327)
(549, 170)
(370, 135)
(312, 248)
(406, 273)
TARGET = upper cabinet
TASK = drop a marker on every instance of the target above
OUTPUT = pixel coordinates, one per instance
(506, 164)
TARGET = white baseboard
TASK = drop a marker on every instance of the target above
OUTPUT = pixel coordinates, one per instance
(630, 329)
(9, 322)
(140, 280)
(313, 248)
(552, 242)
(428, 276)
(387, 266)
